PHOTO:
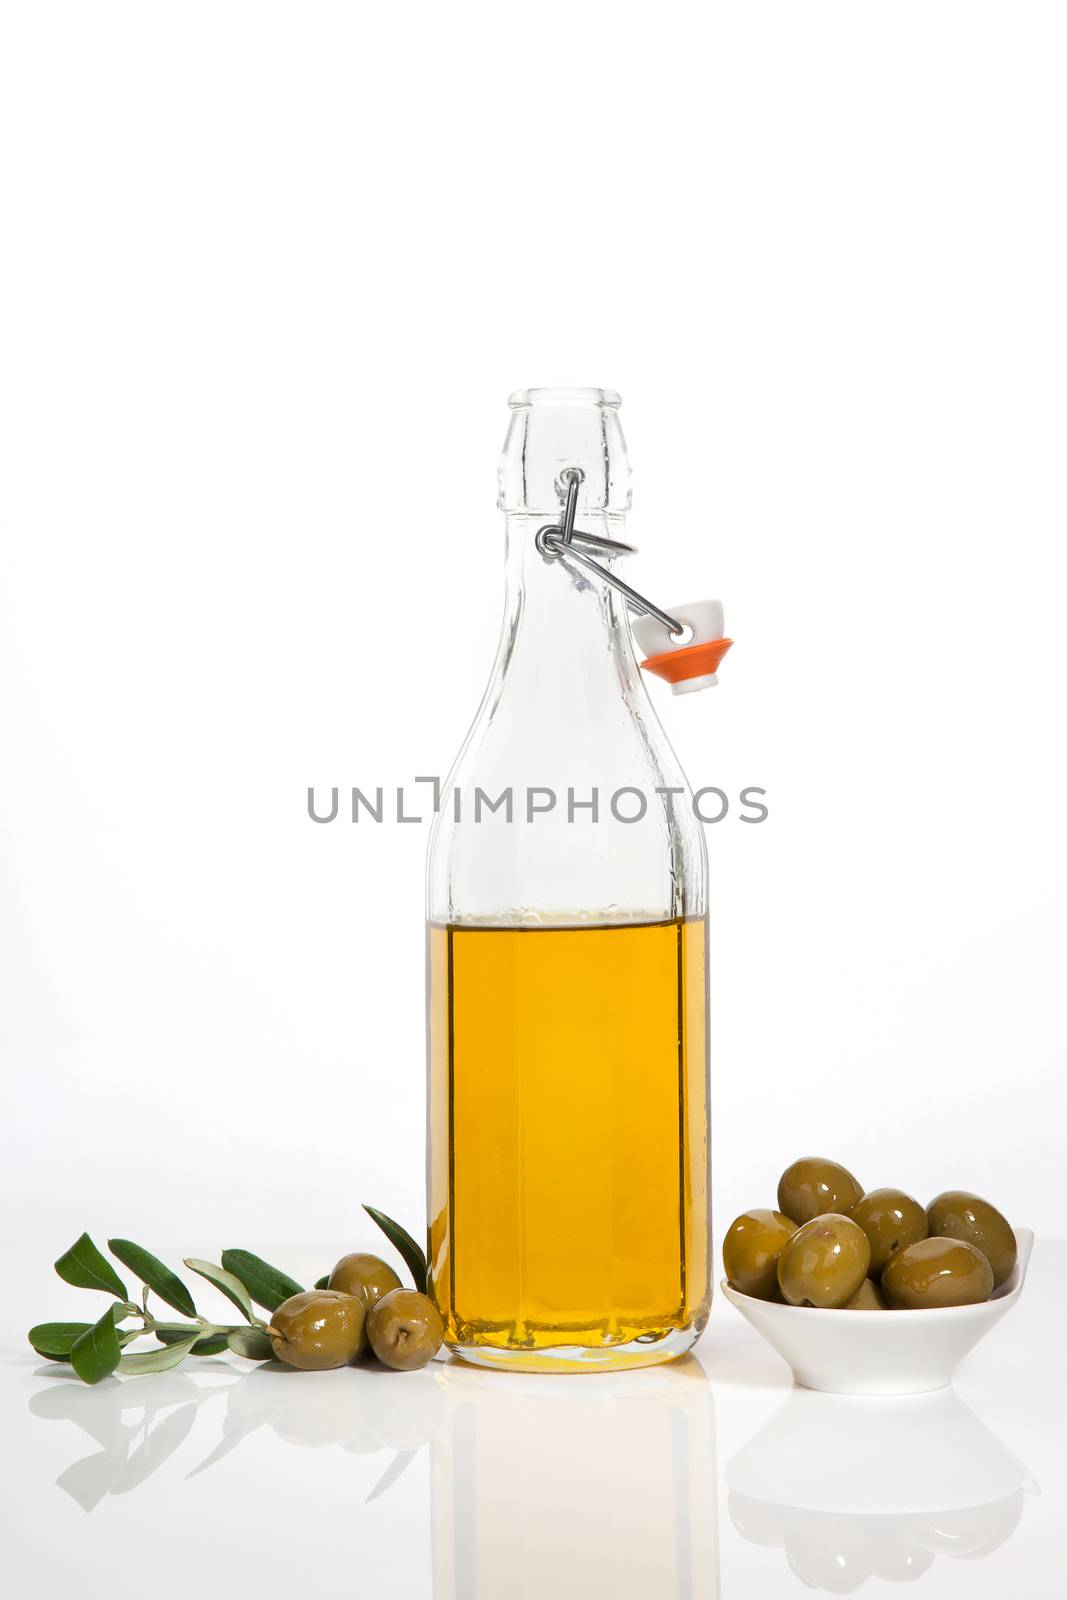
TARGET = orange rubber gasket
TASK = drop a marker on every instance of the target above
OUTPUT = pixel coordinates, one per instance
(691, 661)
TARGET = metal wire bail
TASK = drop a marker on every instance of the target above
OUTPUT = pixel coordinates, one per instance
(557, 541)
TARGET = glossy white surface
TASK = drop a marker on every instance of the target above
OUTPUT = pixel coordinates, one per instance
(872, 1353)
(714, 1477)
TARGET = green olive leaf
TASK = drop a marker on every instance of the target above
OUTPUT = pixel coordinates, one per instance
(96, 1352)
(250, 1343)
(266, 1284)
(207, 1344)
(84, 1267)
(159, 1360)
(54, 1339)
(231, 1286)
(159, 1278)
(323, 1283)
(213, 1345)
(413, 1254)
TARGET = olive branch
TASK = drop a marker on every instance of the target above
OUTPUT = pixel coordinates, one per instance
(97, 1349)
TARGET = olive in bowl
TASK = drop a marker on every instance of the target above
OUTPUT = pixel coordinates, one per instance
(959, 1215)
(824, 1262)
(937, 1273)
(868, 1297)
(750, 1251)
(891, 1220)
(813, 1186)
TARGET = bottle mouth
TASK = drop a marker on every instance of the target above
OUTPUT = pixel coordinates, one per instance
(524, 398)
(550, 433)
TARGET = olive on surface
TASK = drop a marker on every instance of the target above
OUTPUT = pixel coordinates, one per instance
(934, 1273)
(318, 1329)
(364, 1275)
(824, 1262)
(405, 1329)
(868, 1297)
(959, 1215)
(891, 1220)
(750, 1251)
(813, 1186)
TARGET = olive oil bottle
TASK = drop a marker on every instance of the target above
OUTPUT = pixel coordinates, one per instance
(568, 1161)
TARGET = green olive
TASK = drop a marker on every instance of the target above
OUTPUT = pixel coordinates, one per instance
(824, 1262)
(813, 1186)
(868, 1297)
(364, 1275)
(405, 1329)
(933, 1273)
(959, 1215)
(318, 1329)
(750, 1251)
(891, 1220)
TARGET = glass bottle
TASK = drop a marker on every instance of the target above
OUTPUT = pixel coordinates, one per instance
(568, 1182)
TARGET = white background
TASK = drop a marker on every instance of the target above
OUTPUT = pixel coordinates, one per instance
(270, 272)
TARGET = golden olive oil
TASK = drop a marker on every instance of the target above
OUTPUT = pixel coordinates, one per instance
(568, 1133)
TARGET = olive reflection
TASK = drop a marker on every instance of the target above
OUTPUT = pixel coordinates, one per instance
(203, 1414)
(135, 1427)
(575, 1485)
(849, 1489)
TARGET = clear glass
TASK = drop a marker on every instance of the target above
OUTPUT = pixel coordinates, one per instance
(568, 1179)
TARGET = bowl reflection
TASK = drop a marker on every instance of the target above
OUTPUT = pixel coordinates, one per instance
(851, 1489)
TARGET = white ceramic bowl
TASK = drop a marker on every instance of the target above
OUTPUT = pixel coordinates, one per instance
(880, 1352)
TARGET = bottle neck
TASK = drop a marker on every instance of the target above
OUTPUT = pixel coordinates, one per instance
(564, 626)
(554, 433)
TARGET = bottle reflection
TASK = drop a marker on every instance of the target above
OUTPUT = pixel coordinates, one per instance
(851, 1489)
(575, 1486)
